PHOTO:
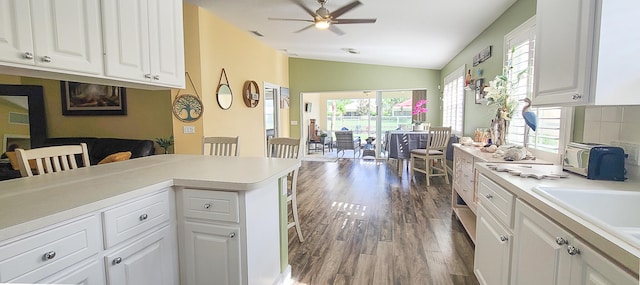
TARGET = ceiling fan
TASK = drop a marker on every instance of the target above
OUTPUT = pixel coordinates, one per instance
(324, 19)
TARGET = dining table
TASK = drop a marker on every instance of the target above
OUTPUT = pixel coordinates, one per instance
(400, 143)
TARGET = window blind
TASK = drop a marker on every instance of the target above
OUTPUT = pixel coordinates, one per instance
(453, 101)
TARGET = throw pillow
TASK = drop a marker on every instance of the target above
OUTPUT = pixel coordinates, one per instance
(118, 156)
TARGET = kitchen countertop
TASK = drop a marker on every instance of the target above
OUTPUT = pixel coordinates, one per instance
(488, 157)
(32, 202)
(624, 252)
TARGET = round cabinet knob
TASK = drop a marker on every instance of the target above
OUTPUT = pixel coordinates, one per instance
(27, 55)
(576, 97)
(156, 77)
(504, 238)
(143, 217)
(232, 235)
(49, 255)
(147, 76)
(207, 206)
(572, 250)
(561, 241)
(46, 58)
(116, 260)
(489, 196)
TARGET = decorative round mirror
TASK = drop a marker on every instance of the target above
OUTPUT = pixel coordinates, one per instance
(224, 96)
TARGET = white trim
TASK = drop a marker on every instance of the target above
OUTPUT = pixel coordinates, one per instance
(285, 277)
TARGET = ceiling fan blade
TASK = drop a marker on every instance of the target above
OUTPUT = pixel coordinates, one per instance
(344, 9)
(354, 21)
(336, 30)
(305, 28)
(288, 19)
(309, 11)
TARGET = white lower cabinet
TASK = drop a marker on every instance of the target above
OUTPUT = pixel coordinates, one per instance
(545, 253)
(88, 273)
(212, 254)
(493, 250)
(148, 261)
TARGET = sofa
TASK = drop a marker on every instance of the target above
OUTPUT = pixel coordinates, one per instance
(98, 148)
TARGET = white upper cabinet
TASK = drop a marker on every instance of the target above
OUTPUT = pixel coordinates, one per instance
(585, 53)
(58, 34)
(144, 41)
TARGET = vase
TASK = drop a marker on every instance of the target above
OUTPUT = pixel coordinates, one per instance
(418, 127)
(499, 128)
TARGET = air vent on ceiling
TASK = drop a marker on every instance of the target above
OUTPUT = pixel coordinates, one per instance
(257, 33)
(18, 118)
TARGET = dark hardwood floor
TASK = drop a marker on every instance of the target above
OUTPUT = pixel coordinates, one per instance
(365, 225)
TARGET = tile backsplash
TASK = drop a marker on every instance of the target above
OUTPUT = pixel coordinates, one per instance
(612, 123)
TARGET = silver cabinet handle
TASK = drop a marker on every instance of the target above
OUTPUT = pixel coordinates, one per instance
(49, 255)
(147, 76)
(116, 260)
(46, 58)
(156, 77)
(572, 250)
(207, 206)
(143, 217)
(489, 196)
(504, 238)
(28, 55)
(232, 235)
(561, 241)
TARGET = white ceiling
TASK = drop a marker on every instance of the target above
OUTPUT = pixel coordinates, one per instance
(408, 33)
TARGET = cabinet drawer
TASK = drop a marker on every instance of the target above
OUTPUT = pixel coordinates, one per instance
(33, 257)
(496, 199)
(130, 219)
(211, 205)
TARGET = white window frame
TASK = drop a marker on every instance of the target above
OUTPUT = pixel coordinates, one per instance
(453, 101)
(527, 30)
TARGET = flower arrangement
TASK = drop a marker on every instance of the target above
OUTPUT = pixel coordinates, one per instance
(165, 143)
(420, 108)
(498, 94)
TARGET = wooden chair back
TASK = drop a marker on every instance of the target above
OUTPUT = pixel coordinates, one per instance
(283, 148)
(52, 159)
(221, 146)
(439, 138)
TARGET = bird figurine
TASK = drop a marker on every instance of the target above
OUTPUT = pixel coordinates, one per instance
(529, 117)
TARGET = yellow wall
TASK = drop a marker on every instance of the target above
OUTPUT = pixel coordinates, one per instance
(12, 129)
(210, 45)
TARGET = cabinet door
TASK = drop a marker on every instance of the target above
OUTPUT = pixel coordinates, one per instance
(591, 268)
(126, 39)
(166, 42)
(147, 261)
(16, 44)
(564, 48)
(67, 35)
(211, 254)
(493, 250)
(539, 249)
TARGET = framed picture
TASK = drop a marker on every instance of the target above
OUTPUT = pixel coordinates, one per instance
(85, 99)
(479, 90)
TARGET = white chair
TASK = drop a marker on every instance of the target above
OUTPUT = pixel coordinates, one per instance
(434, 155)
(221, 146)
(288, 148)
(345, 141)
(51, 159)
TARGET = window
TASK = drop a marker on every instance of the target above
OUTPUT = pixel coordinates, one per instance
(453, 101)
(519, 57)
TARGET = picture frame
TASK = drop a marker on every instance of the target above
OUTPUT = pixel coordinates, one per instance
(87, 99)
(479, 91)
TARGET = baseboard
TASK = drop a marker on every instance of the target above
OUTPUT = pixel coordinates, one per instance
(285, 277)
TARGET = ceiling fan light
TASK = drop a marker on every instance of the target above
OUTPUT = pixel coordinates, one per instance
(323, 24)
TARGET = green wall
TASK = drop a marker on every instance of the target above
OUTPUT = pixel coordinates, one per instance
(479, 115)
(306, 75)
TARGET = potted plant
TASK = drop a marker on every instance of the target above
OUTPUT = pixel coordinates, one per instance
(420, 108)
(165, 143)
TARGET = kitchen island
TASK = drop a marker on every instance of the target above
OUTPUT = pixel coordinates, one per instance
(176, 197)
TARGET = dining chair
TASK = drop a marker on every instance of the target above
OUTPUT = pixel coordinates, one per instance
(345, 141)
(288, 148)
(434, 155)
(51, 159)
(221, 146)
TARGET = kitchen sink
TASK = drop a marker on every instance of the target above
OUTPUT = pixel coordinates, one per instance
(615, 210)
